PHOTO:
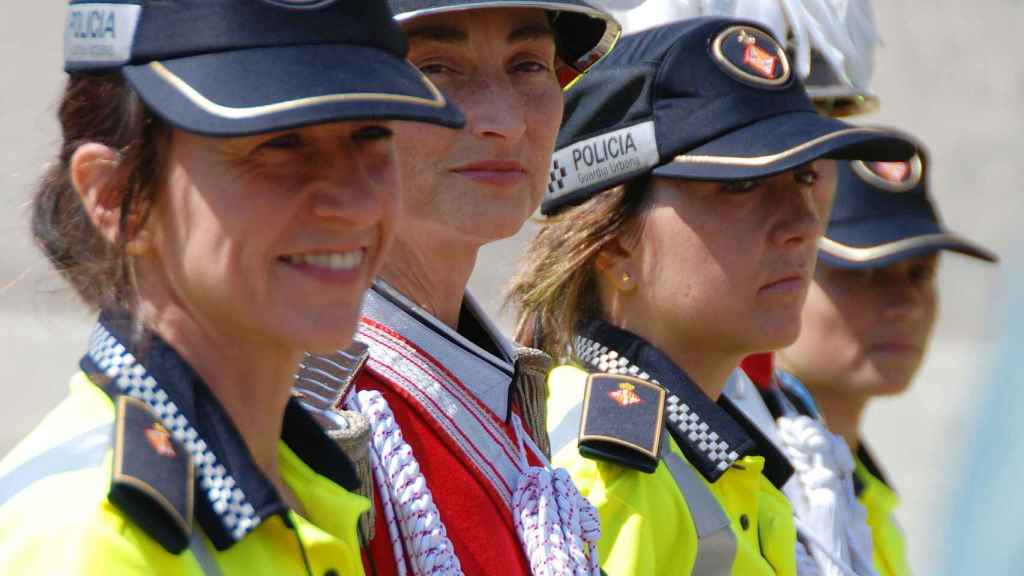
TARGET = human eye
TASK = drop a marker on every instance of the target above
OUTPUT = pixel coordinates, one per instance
(922, 273)
(435, 67)
(806, 176)
(739, 186)
(531, 66)
(286, 141)
(375, 133)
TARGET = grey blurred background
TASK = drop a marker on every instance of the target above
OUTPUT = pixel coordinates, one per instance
(949, 72)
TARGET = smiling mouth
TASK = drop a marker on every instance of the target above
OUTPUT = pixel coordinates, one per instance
(332, 261)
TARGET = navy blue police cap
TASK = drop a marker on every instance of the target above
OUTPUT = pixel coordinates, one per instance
(882, 214)
(236, 67)
(583, 32)
(703, 99)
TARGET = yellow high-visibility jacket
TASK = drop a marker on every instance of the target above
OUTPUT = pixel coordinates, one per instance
(108, 485)
(887, 538)
(651, 523)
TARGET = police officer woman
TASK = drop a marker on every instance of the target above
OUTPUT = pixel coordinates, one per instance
(869, 315)
(225, 191)
(460, 484)
(687, 194)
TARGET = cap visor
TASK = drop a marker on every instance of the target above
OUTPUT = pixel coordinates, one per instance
(781, 143)
(267, 89)
(878, 243)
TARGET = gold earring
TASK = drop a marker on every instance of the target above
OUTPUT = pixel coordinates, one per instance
(626, 278)
(138, 245)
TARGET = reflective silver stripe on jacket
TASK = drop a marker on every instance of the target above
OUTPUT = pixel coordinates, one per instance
(716, 544)
(87, 450)
(201, 552)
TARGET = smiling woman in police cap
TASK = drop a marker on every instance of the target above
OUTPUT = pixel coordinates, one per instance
(225, 191)
(686, 197)
(456, 412)
(870, 314)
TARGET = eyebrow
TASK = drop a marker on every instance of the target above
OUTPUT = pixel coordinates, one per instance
(450, 35)
(531, 32)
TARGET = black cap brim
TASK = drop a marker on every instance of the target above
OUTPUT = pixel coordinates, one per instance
(261, 90)
(784, 142)
(879, 242)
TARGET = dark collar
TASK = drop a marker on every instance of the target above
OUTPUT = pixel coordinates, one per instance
(867, 459)
(712, 436)
(233, 496)
(477, 354)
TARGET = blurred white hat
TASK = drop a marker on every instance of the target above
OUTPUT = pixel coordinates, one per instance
(832, 42)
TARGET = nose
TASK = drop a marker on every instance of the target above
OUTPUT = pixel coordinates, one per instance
(799, 214)
(494, 109)
(904, 300)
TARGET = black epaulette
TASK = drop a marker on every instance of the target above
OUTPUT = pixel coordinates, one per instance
(622, 421)
(153, 477)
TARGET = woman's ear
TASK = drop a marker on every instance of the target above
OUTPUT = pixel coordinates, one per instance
(615, 263)
(93, 172)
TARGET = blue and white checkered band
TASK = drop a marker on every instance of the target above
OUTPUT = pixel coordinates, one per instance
(227, 499)
(301, 4)
(681, 416)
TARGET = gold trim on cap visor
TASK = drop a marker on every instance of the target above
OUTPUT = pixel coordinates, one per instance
(207, 105)
(771, 158)
(867, 254)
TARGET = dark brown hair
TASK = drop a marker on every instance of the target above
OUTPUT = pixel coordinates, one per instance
(555, 288)
(98, 108)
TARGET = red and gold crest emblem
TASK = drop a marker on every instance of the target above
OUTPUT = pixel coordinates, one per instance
(160, 439)
(892, 171)
(751, 56)
(890, 176)
(626, 395)
(760, 61)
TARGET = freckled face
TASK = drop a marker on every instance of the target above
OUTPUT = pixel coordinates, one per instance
(866, 331)
(481, 183)
(275, 237)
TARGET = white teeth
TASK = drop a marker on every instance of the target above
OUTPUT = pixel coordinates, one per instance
(329, 261)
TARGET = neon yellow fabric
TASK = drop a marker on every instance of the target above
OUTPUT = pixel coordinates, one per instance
(646, 527)
(887, 537)
(63, 524)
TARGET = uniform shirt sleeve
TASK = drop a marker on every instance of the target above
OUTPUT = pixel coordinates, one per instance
(76, 532)
(645, 525)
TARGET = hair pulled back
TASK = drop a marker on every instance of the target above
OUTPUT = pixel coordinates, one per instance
(98, 108)
(555, 289)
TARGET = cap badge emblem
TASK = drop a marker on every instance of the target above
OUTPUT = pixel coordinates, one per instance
(890, 176)
(626, 395)
(160, 439)
(751, 56)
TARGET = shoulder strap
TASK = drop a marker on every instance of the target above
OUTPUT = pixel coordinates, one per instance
(622, 421)
(152, 479)
(530, 389)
